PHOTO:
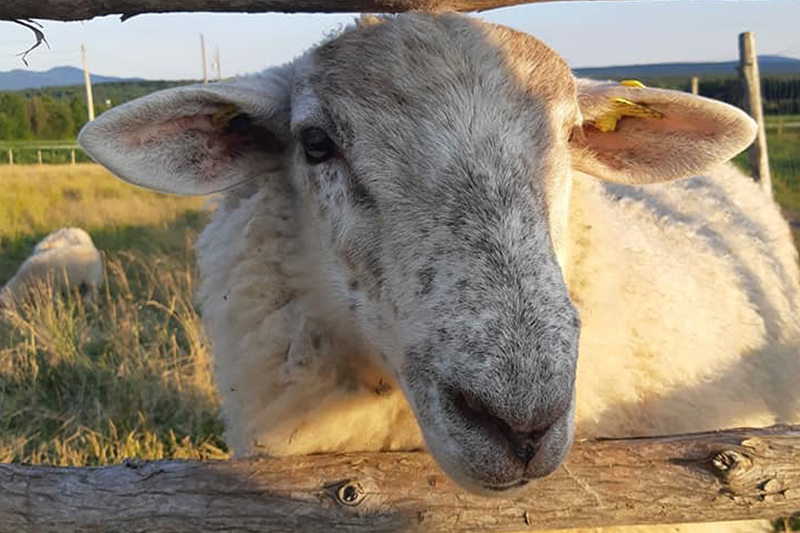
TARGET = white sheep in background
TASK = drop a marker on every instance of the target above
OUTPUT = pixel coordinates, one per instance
(67, 256)
(413, 221)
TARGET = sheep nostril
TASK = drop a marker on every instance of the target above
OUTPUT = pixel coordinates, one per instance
(527, 444)
(524, 444)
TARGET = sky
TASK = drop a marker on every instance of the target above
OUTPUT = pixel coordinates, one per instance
(595, 33)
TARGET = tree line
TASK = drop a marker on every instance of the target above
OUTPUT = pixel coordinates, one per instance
(58, 113)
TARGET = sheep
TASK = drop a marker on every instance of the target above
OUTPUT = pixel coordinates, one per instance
(423, 218)
(67, 256)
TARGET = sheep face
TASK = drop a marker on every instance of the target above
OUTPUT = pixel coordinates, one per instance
(428, 160)
(430, 186)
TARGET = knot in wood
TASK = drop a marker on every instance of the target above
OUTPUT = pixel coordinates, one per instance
(350, 493)
(726, 461)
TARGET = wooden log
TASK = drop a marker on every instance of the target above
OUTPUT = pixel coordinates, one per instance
(85, 9)
(727, 475)
(751, 80)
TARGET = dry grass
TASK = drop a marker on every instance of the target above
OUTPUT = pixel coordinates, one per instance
(127, 375)
(36, 199)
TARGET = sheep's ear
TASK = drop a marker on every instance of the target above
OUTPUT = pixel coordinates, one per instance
(633, 134)
(198, 139)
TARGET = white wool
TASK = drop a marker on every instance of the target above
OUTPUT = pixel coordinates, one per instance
(66, 255)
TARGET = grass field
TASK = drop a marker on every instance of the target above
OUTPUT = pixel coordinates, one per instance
(127, 376)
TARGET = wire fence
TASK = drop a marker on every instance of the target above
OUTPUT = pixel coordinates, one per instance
(43, 154)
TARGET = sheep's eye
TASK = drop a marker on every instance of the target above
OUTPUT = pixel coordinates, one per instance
(317, 145)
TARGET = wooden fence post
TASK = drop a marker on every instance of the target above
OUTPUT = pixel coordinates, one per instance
(39, 156)
(694, 85)
(10, 156)
(748, 71)
(72, 156)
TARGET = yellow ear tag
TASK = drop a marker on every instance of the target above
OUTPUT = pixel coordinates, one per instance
(632, 83)
(221, 118)
(621, 107)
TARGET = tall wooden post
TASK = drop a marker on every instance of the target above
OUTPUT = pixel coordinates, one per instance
(695, 85)
(39, 156)
(203, 57)
(72, 156)
(10, 156)
(748, 71)
(88, 81)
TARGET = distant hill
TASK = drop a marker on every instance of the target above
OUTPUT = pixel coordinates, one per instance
(768, 66)
(19, 79)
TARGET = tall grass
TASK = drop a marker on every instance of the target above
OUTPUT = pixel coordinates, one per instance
(126, 375)
(86, 382)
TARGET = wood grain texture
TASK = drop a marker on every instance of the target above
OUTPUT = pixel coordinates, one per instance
(751, 83)
(85, 9)
(736, 474)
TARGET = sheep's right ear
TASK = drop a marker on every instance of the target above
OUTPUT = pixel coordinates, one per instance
(199, 139)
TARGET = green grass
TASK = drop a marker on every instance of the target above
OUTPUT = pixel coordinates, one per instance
(784, 159)
(127, 375)
(774, 119)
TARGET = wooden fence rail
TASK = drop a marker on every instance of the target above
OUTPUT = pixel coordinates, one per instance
(66, 10)
(727, 475)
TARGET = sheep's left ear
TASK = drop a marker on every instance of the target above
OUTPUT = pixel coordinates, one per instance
(198, 139)
(633, 134)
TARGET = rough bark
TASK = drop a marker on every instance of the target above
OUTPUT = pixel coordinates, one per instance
(86, 9)
(727, 475)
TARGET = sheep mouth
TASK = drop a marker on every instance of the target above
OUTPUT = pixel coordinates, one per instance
(508, 486)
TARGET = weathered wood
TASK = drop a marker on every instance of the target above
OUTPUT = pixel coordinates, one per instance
(751, 80)
(85, 9)
(736, 474)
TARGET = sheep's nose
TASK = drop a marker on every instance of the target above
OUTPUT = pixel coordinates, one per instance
(524, 438)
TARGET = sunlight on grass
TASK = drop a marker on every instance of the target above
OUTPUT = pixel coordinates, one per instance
(38, 199)
(127, 375)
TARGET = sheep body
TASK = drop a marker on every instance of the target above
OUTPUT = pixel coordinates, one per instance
(702, 278)
(67, 256)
